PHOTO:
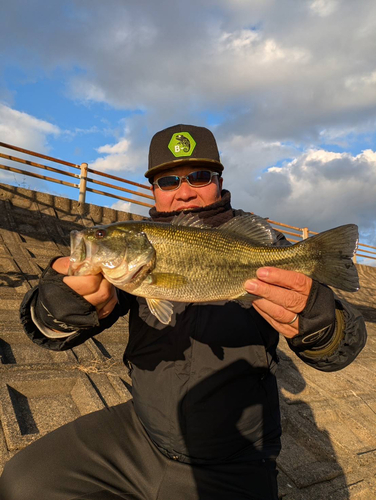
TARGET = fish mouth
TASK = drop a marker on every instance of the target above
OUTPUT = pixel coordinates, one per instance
(78, 252)
(138, 271)
(80, 260)
(122, 264)
(126, 277)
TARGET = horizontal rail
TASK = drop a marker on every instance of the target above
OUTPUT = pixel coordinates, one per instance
(81, 176)
(291, 239)
(38, 165)
(104, 193)
(364, 245)
(365, 256)
(94, 181)
(37, 176)
(291, 233)
(367, 251)
(39, 155)
(284, 225)
(69, 184)
(114, 177)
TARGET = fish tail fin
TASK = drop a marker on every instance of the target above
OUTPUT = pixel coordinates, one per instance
(334, 250)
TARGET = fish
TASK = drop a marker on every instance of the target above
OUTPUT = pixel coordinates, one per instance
(188, 261)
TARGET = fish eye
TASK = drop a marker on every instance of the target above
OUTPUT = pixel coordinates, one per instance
(100, 233)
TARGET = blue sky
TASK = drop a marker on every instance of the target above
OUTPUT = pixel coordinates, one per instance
(288, 88)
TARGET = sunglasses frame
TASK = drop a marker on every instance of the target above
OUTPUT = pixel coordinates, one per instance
(181, 177)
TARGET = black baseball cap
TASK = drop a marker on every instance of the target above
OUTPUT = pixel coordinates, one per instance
(182, 144)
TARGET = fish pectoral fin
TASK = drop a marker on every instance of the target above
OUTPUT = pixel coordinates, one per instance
(166, 280)
(245, 299)
(162, 309)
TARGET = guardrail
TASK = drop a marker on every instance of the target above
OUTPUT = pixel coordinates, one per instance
(293, 233)
(82, 176)
(301, 233)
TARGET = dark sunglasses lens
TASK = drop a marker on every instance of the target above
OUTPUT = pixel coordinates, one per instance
(169, 182)
(200, 178)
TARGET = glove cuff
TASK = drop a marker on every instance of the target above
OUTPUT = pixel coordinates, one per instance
(59, 307)
(317, 321)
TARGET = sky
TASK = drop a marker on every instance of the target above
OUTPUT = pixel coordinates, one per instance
(288, 88)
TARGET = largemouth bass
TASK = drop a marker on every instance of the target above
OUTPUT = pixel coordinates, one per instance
(186, 261)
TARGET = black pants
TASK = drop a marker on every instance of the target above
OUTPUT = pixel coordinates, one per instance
(108, 455)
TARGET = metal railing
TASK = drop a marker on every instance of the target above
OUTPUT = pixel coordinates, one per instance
(301, 233)
(293, 233)
(82, 176)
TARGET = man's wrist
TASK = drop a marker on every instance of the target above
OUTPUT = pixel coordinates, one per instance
(319, 322)
(48, 332)
(328, 345)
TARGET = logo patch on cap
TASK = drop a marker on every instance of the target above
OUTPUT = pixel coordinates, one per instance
(182, 144)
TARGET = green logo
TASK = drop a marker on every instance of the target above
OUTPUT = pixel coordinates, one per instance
(182, 144)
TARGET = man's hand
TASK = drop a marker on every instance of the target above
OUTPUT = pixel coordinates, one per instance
(283, 294)
(95, 289)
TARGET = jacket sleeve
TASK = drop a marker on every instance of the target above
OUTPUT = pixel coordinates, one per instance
(331, 331)
(61, 341)
(347, 340)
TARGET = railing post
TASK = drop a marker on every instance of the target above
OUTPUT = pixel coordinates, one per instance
(354, 258)
(305, 233)
(83, 178)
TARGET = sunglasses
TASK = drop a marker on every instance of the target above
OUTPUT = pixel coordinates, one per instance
(195, 179)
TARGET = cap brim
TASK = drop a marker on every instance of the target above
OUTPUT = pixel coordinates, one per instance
(214, 165)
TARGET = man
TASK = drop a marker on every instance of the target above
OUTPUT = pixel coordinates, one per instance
(204, 420)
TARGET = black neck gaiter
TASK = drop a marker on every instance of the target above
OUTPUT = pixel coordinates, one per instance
(214, 215)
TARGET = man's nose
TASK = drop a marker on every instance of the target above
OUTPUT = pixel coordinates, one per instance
(185, 189)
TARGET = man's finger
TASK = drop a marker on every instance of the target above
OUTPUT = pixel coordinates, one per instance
(102, 295)
(278, 313)
(286, 330)
(286, 279)
(61, 265)
(84, 285)
(107, 309)
(288, 299)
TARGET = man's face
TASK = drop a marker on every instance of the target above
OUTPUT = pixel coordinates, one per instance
(186, 197)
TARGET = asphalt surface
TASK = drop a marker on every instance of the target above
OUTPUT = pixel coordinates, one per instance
(329, 419)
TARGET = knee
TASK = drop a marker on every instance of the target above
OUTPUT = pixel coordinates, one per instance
(13, 485)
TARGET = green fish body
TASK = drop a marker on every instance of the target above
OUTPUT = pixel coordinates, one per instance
(187, 262)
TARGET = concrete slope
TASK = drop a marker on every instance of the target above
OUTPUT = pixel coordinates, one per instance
(329, 419)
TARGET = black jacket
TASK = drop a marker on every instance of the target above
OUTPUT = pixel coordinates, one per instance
(204, 386)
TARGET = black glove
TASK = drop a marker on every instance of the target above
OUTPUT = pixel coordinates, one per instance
(59, 307)
(316, 321)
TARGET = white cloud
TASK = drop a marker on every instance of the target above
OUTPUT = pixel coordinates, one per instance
(324, 8)
(122, 206)
(22, 129)
(318, 189)
(121, 147)
(121, 156)
(28, 132)
(238, 41)
(284, 71)
(237, 148)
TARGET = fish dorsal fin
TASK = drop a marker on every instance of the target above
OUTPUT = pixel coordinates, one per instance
(188, 220)
(252, 227)
(162, 309)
